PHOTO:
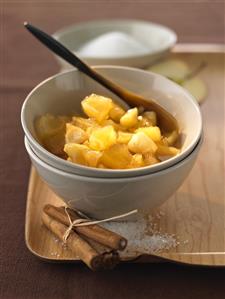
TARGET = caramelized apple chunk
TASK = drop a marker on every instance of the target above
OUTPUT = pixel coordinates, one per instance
(76, 152)
(48, 125)
(102, 138)
(152, 132)
(151, 117)
(140, 143)
(150, 159)
(116, 113)
(137, 161)
(124, 137)
(130, 118)
(97, 107)
(84, 123)
(171, 138)
(117, 157)
(81, 154)
(75, 134)
(164, 150)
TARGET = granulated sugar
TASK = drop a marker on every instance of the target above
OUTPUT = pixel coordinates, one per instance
(113, 44)
(143, 236)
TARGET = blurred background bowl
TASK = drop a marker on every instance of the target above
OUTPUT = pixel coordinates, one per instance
(157, 39)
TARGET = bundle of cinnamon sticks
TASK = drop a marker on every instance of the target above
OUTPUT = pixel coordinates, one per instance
(96, 246)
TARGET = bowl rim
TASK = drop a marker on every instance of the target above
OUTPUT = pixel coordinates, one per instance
(115, 171)
(111, 180)
(84, 25)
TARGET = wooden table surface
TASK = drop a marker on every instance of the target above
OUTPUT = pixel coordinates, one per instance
(24, 63)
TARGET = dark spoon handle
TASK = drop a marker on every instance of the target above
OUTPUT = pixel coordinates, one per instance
(70, 57)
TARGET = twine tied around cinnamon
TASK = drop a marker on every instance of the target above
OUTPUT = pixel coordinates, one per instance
(86, 221)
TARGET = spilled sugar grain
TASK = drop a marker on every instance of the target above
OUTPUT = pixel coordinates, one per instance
(143, 236)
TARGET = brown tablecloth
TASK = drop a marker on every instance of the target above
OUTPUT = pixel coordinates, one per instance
(24, 63)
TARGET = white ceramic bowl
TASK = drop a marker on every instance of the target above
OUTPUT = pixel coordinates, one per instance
(104, 197)
(62, 94)
(157, 39)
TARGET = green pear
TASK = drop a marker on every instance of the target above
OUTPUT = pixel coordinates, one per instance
(196, 87)
(174, 69)
(178, 71)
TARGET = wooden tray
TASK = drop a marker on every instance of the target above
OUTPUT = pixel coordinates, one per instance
(195, 213)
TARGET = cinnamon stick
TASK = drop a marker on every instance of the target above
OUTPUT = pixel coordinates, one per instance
(94, 232)
(80, 247)
(110, 257)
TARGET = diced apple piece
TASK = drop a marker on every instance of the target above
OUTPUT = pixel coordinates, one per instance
(196, 87)
(92, 157)
(51, 133)
(97, 107)
(140, 143)
(116, 113)
(137, 161)
(152, 132)
(167, 150)
(102, 138)
(130, 118)
(149, 159)
(84, 123)
(76, 152)
(81, 154)
(75, 134)
(151, 117)
(124, 137)
(110, 122)
(117, 157)
(90, 130)
(48, 125)
(171, 138)
(143, 121)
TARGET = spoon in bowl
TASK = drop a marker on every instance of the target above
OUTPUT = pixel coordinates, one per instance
(166, 120)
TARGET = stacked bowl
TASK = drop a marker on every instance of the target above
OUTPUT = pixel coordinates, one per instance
(102, 193)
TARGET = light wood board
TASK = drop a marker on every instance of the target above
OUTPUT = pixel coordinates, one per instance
(196, 212)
